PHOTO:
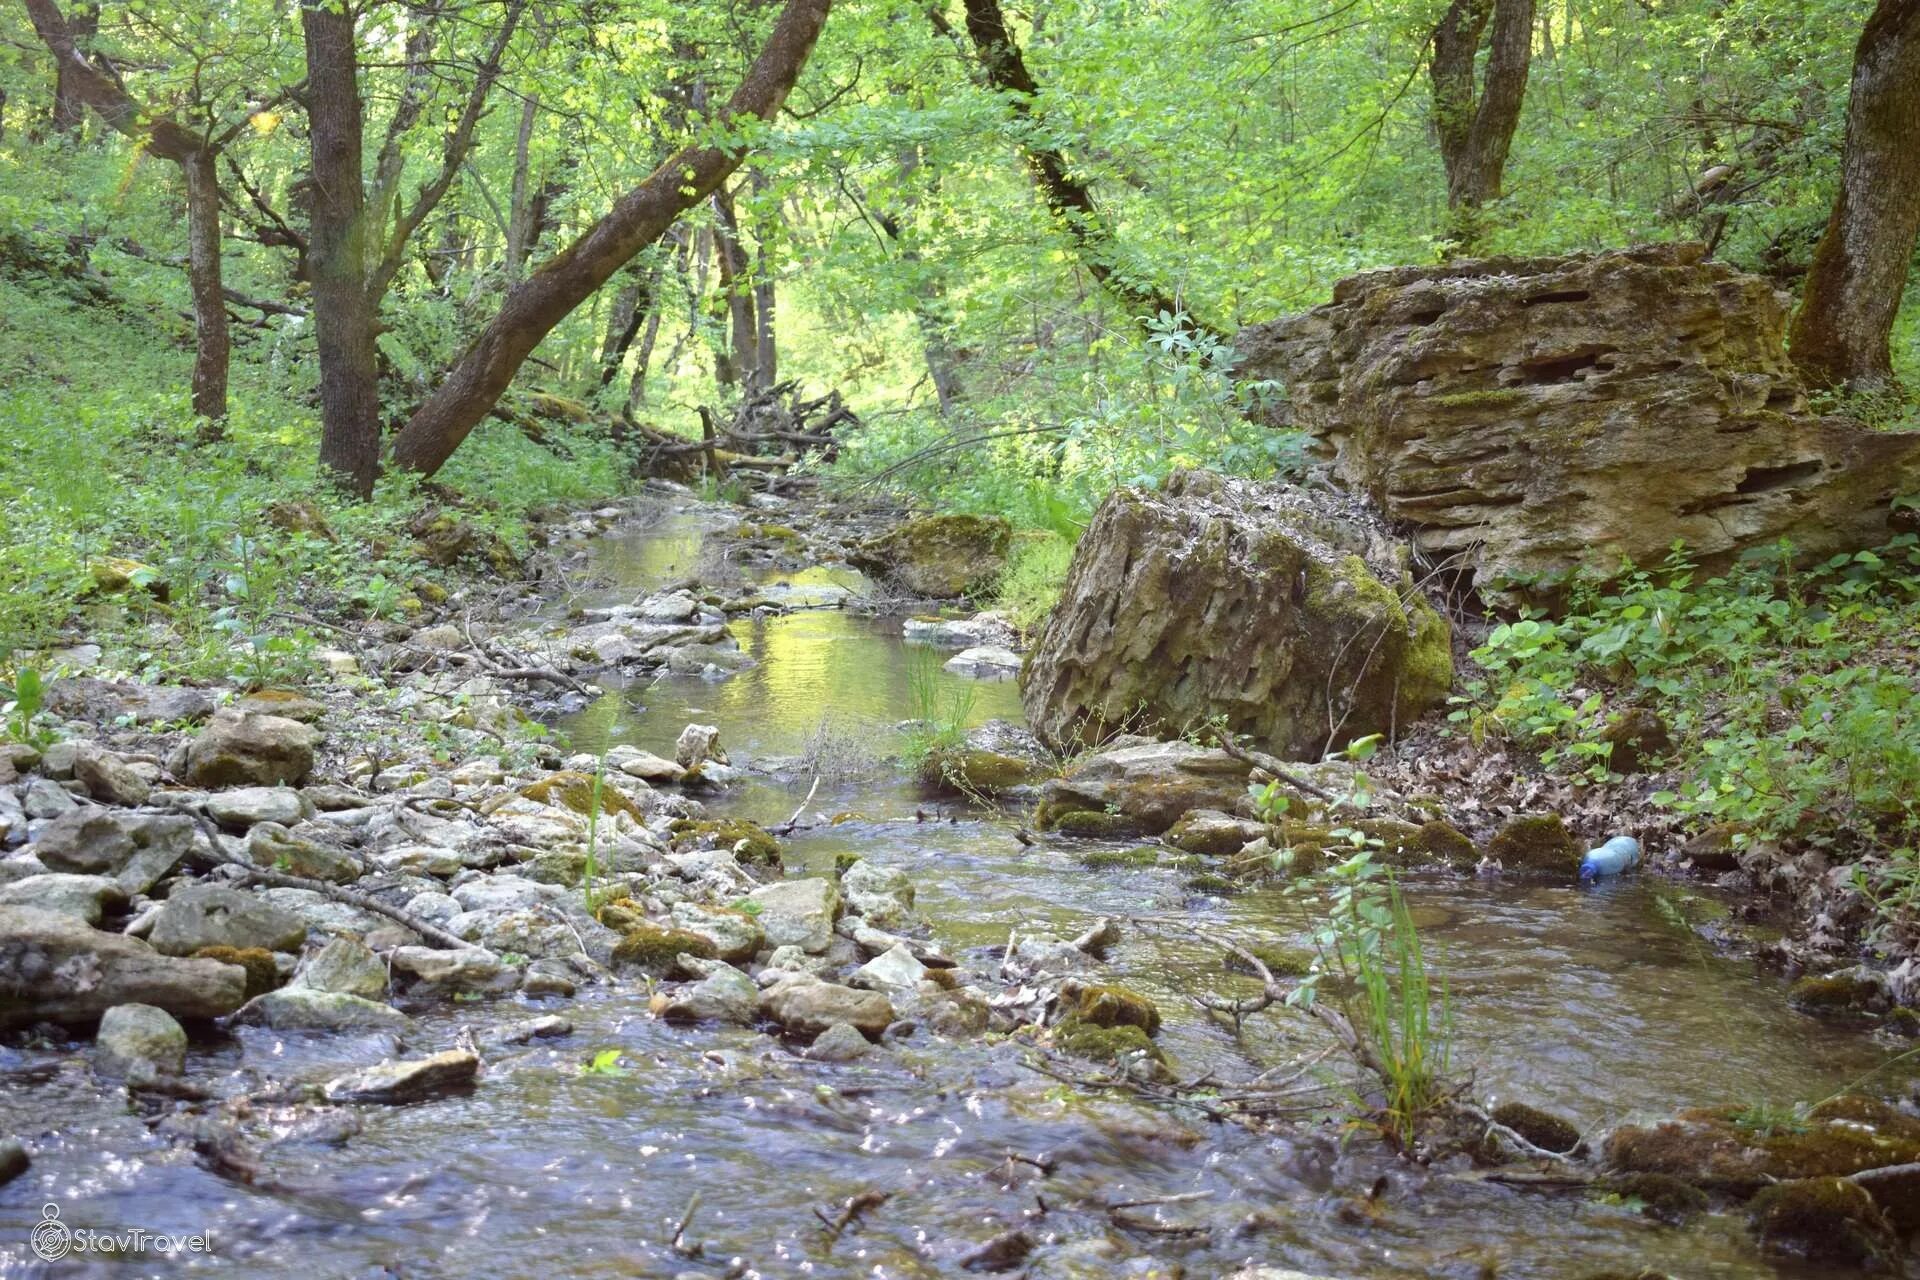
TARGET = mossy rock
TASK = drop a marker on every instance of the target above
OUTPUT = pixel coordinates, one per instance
(1542, 1128)
(573, 790)
(768, 533)
(939, 557)
(1712, 1145)
(622, 915)
(288, 703)
(1823, 1220)
(1638, 737)
(446, 540)
(1848, 993)
(1438, 843)
(1213, 882)
(1107, 1044)
(1282, 961)
(1212, 833)
(976, 772)
(1103, 859)
(652, 948)
(1535, 842)
(752, 844)
(263, 974)
(113, 575)
(297, 515)
(1115, 1006)
(1661, 1196)
(1092, 824)
(1717, 848)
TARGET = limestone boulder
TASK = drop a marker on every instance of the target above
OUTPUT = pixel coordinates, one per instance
(246, 748)
(1527, 418)
(938, 557)
(54, 967)
(1144, 787)
(1289, 615)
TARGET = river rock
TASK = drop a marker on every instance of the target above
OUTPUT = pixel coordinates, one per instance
(894, 968)
(982, 629)
(938, 557)
(644, 765)
(1286, 614)
(14, 1160)
(735, 935)
(55, 967)
(141, 1042)
(304, 1009)
(87, 897)
(985, 662)
(245, 807)
(473, 969)
(724, 995)
(84, 841)
(1527, 417)
(45, 798)
(839, 1043)
(799, 913)
(109, 779)
(247, 748)
(699, 743)
(346, 966)
(882, 896)
(1210, 832)
(211, 915)
(409, 1080)
(806, 1006)
(272, 846)
(1147, 784)
(105, 701)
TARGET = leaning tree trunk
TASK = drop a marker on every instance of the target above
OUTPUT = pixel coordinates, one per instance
(343, 310)
(533, 307)
(69, 91)
(1841, 334)
(736, 291)
(1475, 123)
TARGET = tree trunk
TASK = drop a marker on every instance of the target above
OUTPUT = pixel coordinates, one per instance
(1475, 123)
(737, 292)
(69, 96)
(533, 307)
(520, 198)
(210, 347)
(343, 311)
(1840, 336)
(1069, 199)
(196, 155)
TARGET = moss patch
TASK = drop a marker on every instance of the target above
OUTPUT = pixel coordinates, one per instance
(1823, 1219)
(1102, 859)
(752, 844)
(1667, 1198)
(1115, 1006)
(1092, 823)
(1843, 994)
(570, 789)
(1105, 1044)
(263, 975)
(1542, 1128)
(976, 772)
(1535, 842)
(652, 948)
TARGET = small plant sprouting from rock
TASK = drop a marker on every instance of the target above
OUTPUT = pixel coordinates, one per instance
(940, 711)
(23, 698)
(590, 872)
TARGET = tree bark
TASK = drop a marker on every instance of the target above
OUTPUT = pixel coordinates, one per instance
(196, 155)
(1840, 336)
(343, 311)
(210, 338)
(520, 194)
(736, 290)
(1475, 123)
(1069, 199)
(69, 94)
(533, 307)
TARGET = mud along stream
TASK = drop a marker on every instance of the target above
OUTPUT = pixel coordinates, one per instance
(1600, 1004)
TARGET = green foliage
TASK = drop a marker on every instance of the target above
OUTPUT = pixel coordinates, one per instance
(939, 706)
(590, 894)
(20, 703)
(1030, 584)
(1790, 693)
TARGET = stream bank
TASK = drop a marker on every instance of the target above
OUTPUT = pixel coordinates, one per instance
(582, 1151)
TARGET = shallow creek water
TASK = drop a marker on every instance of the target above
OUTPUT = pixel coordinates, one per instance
(1589, 1002)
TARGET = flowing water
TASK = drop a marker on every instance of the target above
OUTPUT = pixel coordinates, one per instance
(1592, 1002)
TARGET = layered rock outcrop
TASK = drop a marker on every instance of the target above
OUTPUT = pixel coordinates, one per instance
(1281, 613)
(1529, 417)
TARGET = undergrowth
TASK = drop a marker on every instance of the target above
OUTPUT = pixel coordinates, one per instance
(1791, 695)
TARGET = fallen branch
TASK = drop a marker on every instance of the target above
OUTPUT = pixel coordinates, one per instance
(1274, 766)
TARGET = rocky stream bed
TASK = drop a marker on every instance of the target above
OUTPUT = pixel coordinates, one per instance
(819, 1018)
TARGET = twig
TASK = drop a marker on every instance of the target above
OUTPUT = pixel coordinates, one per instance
(679, 1243)
(792, 824)
(851, 1212)
(1261, 760)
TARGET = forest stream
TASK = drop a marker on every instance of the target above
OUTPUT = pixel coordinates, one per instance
(1599, 1003)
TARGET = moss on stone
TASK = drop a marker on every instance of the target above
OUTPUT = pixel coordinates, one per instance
(653, 948)
(573, 790)
(1108, 1005)
(752, 844)
(1661, 1195)
(1281, 960)
(1542, 1128)
(1715, 1145)
(622, 915)
(1105, 1044)
(1535, 842)
(1093, 823)
(263, 974)
(976, 772)
(1441, 844)
(1102, 859)
(1838, 994)
(1213, 882)
(1825, 1220)
(1491, 398)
